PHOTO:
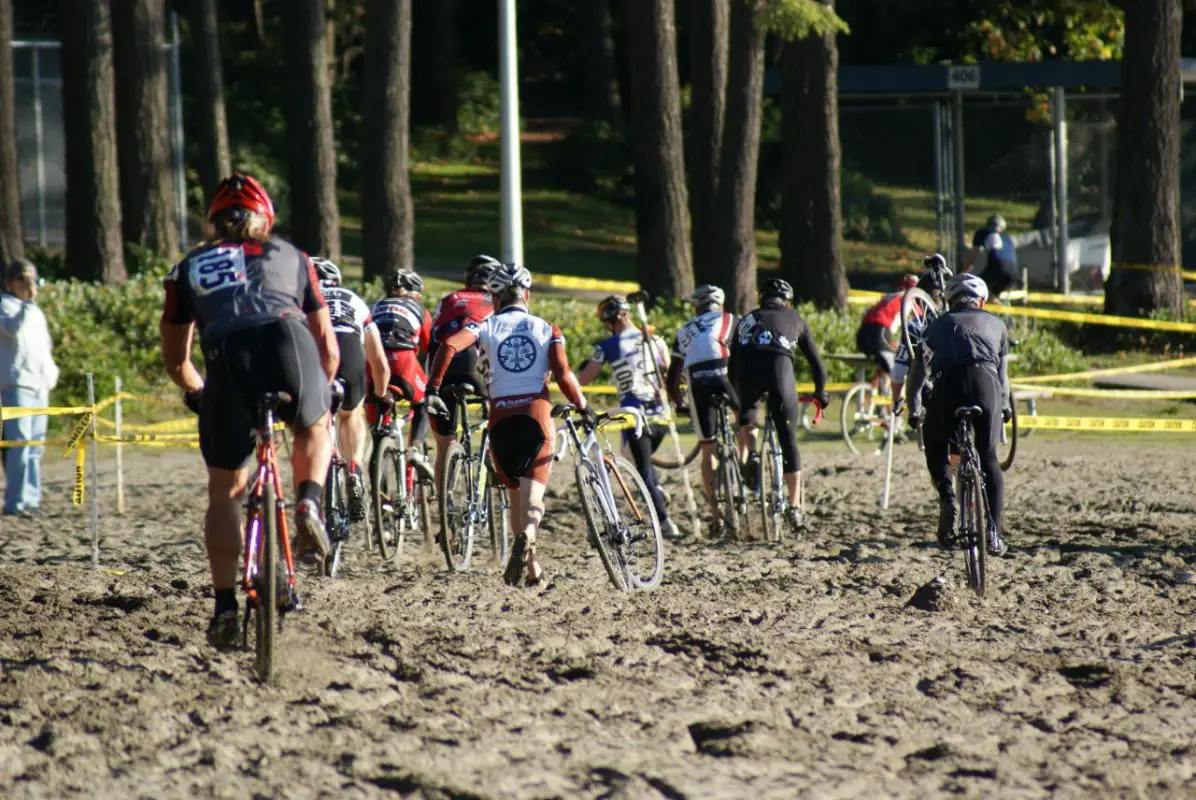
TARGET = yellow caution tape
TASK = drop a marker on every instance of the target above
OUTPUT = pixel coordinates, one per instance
(81, 428)
(1111, 394)
(138, 438)
(1185, 274)
(80, 463)
(17, 412)
(1109, 425)
(1093, 319)
(1154, 366)
(37, 443)
(184, 425)
(587, 284)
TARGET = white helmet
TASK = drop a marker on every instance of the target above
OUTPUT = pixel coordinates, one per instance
(326, 271)
(707, 295)
(509, 276)
(966, 287)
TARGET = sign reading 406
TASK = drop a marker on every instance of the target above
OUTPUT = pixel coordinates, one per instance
(963, 76)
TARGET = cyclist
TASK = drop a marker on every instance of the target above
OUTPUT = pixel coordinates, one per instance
(264, 327)
(881, 327)
(360, 346)
(935, 272)
(520, 352)
(453, 313)
(406, 328)
(1000, 269)
(702, 350)
(762, 364)
(968, 350)
(634, 376)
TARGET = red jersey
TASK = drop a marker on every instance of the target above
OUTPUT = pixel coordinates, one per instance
(403, 323)
(461, 308)
(887, 312)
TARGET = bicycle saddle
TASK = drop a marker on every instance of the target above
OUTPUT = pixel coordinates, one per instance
(561, 409)
(720, 399)
(969, 411)
(460, 388)
(274, 400)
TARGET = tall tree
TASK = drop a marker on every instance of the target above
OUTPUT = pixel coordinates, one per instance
(147, 201)
(311, 145)
(211, 125)
(663, 257)
(444, 65)
(734, 237)
(12, 235)
(811, 216)
(387, 221)
(599, 70)
(1146, 229)
(708, 21)
(93, 234)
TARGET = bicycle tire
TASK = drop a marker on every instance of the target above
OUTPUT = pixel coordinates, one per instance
(644, 529)
(266, 619)
(336, 516)
(1011, 441)
(911, 335)
(772, 488)
(388, 500)
(804, 419)
(859, 408)
(588, 491)
(456, 526)
(664, 463)
(973, 525)
(423, 506)
(728, 496)
(499, 522)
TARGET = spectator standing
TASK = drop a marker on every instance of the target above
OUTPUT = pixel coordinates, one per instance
(999, 269)
(27, 374)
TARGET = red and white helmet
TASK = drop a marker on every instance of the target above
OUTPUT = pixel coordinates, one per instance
(242, 191)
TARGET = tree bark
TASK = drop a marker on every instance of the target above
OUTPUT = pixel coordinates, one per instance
(445, 67)
(735, 234)
(211, 124)
(709, 20)
(387, 220)
(147, 200)
(93, 233)
(12, 234)
(603, 103)
(1146, 228)
(663, 256)
(315, 220)
(811, 216)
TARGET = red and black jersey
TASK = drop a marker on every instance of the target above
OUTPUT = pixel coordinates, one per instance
(886, 312)
(230, 286)
(459, 309)
(404, 323)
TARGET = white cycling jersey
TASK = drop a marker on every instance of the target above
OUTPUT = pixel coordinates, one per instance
(706, 337)
(349, 312)
(514, 345)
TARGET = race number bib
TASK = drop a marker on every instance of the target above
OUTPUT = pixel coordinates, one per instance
(217, 269)
(624, 373)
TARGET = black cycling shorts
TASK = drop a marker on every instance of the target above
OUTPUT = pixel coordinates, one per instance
(463, 369)
(999, 275)
(764, 373)
(277, 357)
(707, 380)
(351, 370)
(872, 339)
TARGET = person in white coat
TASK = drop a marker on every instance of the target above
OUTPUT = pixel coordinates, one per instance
(27, 374)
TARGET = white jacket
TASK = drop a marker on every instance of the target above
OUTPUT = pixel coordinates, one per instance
(25, 345)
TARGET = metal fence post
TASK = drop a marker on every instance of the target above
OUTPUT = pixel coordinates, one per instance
(95, 480)
(39, 141)
(120, 472)
(1059, 107)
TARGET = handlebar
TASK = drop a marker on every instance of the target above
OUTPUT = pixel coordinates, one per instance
(565, 410)
(809, 398)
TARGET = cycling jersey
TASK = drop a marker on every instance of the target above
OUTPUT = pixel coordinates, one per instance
(706, 337)
(457, 310)
(776, 328)
(635, 378)
(887, 312)
(231, 286)
(349, 312)
(403, 323)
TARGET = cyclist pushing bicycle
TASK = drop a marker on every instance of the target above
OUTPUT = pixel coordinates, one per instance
(520, 352)
(265, 327)
(881, 327)
(967, 349)
(762, 366)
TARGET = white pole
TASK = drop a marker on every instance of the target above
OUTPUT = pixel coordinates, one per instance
(511, 184)
(1060, 109)
(39, 141)
(120, 472)
(176, 109)
(889, 439)
(95, 488)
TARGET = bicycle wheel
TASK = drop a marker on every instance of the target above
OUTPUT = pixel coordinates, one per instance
(336, 515)
(456, 512)
(918, 310)
(805, 418)
(639, 546)
(598, 520)
(499, 522)
(1010, 446)
(973, 526)
(389, 492)
(266, 616)
(857, 417)
(772, 488)
(423, 521)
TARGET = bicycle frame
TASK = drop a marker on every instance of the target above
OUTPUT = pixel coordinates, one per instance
(267, 470)
(589, 450)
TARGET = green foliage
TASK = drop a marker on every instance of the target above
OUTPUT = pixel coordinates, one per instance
(479, 101)
(1035, 30)
(868, 215)
(797, 19)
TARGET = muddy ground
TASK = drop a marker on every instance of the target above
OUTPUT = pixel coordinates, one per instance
(753, 671)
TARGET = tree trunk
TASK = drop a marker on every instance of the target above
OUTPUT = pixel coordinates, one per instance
(93, 243)
(663, 257)
(211, 125)
(1146, 202)
(147, 200)
(387, 221)
(811, 216)
(315, 220)
(603, 103)
(444, 65)
(12, 235)
(709, 20)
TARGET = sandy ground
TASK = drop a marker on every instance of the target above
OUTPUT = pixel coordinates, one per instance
(753, 671)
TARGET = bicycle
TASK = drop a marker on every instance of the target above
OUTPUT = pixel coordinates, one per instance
(865, 413)
(730, 493)
(769, 492)
(974, 514)
(470, 494)
(338, 520)
(401, 502)
(623, 526)
(270, 593)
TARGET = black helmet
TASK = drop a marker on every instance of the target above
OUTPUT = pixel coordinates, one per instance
(480, 268)
(778, 288)
(405, 279)
(609, 308)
